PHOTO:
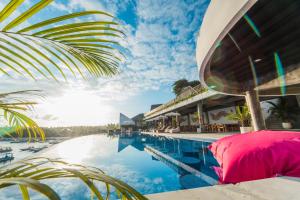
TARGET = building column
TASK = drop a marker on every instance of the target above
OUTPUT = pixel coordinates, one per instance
(188, 119)
(200, 112)
(253, 103)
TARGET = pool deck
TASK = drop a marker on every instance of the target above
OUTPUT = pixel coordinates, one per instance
(194, 136)
(279, 188)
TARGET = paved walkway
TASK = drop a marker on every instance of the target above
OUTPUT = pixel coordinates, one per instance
(194, 136)
(280, 188)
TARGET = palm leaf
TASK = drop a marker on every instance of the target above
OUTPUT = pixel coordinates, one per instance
(29, 173)
(27, 14)
(9, 8)
(66, 42)
(31, 183)
(13, 108)
(25, 193)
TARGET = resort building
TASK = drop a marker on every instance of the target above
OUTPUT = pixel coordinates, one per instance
(206, 110)
(251, 49)
(244, 54)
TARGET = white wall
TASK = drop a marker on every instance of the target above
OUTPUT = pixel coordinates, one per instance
(219, 116)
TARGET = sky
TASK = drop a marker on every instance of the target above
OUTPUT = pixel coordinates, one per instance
(160, 42)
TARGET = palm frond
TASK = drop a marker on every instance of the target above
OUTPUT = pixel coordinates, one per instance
(29, 173)
(34, 50)
(13, 108)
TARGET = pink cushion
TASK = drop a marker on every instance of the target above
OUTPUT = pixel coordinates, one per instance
(257, 155)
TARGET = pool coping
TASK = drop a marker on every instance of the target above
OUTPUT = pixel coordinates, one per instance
(278, 188)
(205, 137)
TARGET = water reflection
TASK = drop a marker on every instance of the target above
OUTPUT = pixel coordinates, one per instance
(128, 157)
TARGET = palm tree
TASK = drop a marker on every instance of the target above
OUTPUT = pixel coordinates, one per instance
(179, 85)
(81, 48)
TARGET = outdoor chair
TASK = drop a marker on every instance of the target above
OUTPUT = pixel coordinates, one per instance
(221, 128)
(168, 129)
(161, 130)
(175, 130)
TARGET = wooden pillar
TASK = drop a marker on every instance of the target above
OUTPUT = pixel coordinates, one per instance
(253, 103)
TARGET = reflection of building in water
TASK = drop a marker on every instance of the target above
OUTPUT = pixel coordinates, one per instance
(190, 159)
(126, 124)
(126, 140)
(129, 125)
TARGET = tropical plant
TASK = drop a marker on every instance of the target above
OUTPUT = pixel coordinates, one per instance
(242, 115)
(13, 108)
(179, 85)
(89, 47)
(194, 83)
(283, 110)
(28, 174)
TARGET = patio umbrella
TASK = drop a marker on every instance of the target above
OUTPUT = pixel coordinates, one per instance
(174, 114)
(163, 118)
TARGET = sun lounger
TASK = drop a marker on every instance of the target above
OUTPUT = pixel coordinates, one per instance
(161, 130)
(175, 130)
(168, 129)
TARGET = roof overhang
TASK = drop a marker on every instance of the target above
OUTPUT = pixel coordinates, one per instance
(250, 45)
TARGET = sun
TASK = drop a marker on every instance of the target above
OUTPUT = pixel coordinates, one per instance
(78, 107)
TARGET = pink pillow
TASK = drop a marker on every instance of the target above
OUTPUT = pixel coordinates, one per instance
(257, 155)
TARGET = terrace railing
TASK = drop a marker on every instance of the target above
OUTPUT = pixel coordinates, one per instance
(187, 93)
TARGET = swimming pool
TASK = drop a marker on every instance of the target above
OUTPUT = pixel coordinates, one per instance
(150, 164)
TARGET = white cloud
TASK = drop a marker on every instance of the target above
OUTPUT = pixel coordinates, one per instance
(161, 50)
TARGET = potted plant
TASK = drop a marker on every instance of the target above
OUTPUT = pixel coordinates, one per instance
(285, 112)
(243, 116)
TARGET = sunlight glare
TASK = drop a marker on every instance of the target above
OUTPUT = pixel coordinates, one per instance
(75, 150)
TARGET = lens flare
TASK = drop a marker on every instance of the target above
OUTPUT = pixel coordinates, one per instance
(252, 25)
(280, 73)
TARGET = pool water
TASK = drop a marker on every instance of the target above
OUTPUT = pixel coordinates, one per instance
(150, 164)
